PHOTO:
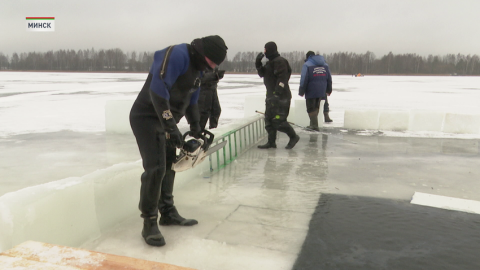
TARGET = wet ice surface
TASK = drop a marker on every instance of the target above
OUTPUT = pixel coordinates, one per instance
(256, 213)
(37, 158)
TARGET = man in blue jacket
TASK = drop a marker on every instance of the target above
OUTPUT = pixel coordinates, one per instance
(170, 92)
(315, 85)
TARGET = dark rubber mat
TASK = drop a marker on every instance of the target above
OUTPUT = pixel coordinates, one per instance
(371, 233)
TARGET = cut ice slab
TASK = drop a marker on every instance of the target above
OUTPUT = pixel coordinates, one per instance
(426, 121)
(361, 119)
(394, 120)
(462, 123)
(444, 202)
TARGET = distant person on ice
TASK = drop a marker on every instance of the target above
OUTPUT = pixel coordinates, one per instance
(315, 85)
(170, 92)
(208, 103)
(276, 74)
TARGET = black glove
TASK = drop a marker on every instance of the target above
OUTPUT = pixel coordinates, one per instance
(301, 91)
(258, 60)
(195, 130)
(329, 89)
(175, 138)
(220, 74)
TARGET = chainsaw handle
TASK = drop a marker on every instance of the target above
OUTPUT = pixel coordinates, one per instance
(208, 140)
(189, 133)
(202, 136)
(186, 134)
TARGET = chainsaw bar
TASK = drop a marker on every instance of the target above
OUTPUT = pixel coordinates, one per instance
(215, 148)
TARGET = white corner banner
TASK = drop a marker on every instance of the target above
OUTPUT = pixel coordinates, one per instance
(40, 24)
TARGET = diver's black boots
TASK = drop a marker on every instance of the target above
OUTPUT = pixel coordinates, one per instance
(293, 141)
(268, 145)
(171, 217)
(151, 233)
(272, 137)
(168, 213)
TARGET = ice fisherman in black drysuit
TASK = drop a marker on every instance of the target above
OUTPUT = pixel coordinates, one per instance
(170, 92)
(315, 85)
(208, 103)
(276, 73)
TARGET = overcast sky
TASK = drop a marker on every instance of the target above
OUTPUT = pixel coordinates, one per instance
(380, 26)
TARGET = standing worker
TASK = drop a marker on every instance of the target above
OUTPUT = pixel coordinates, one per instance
(315, 84)
(276, 74)
(208, 103)
(170, 92)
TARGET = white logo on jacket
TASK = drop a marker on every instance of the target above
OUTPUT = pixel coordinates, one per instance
(319, 70)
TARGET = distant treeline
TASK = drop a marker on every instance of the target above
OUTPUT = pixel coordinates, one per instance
(116, 60)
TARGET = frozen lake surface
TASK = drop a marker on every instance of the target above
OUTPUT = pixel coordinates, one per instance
(338, 200)
(38, 102)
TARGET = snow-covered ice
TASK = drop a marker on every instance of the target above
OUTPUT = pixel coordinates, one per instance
(36, 102)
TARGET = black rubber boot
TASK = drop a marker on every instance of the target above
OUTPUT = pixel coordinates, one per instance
(288, 129)
(313, 120)
(293, 141)
(272, 137)
(327, 118)
(151, 233)
(171, 217)
(267, 145)
(168, 213)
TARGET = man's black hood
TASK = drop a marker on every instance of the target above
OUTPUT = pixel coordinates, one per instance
(271, 50)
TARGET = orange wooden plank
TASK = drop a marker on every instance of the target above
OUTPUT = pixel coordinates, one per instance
(82, 259)
(14, 263)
